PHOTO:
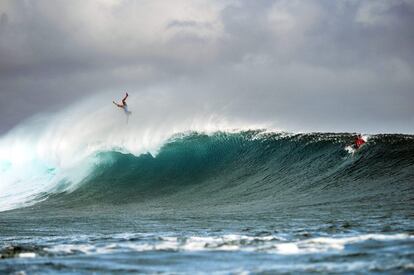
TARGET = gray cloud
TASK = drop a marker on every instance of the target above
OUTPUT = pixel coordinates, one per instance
(301, 65)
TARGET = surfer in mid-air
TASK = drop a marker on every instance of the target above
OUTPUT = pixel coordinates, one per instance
(359, 141)
(124, 106)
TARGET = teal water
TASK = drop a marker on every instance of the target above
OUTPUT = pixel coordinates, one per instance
(251, 202)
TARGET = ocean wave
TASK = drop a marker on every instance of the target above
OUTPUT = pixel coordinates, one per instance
(236, 168)
(87, 155)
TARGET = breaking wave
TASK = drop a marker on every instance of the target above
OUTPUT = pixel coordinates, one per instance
(80, 157)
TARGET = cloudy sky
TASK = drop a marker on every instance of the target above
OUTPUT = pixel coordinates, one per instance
(311, 65)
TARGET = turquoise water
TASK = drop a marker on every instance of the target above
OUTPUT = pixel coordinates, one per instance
(222, 203)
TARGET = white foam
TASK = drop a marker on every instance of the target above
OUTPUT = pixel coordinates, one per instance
(326, 244)
(27, 255)
(350, 149)
(81, 248)
(267, 244)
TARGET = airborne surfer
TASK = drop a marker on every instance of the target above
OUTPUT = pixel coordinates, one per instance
(124, 106)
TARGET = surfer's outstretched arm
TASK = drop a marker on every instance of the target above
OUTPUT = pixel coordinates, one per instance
(124, 100)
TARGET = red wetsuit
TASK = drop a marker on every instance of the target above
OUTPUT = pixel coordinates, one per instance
(358, 142)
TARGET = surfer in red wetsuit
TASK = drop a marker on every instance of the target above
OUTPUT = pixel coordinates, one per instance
(359, 141)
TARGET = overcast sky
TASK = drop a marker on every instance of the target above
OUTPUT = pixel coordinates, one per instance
(311, 65)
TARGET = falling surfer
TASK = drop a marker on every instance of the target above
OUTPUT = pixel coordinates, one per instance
(124, 106)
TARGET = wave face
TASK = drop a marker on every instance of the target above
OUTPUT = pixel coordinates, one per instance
(252, 170)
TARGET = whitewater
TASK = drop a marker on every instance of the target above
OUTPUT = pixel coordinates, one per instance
(190, 190)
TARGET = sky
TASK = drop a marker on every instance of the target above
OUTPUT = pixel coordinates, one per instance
(311, 65)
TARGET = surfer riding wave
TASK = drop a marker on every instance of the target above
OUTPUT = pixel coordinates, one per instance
(359, 141)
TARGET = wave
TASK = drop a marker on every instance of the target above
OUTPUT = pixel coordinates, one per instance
(54, 152)
(91, 156)
(255, 169)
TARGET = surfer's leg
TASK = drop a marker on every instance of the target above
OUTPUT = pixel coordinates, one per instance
(118, 105)
(124, 100)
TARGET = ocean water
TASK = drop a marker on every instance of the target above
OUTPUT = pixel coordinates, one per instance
(224, 202)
